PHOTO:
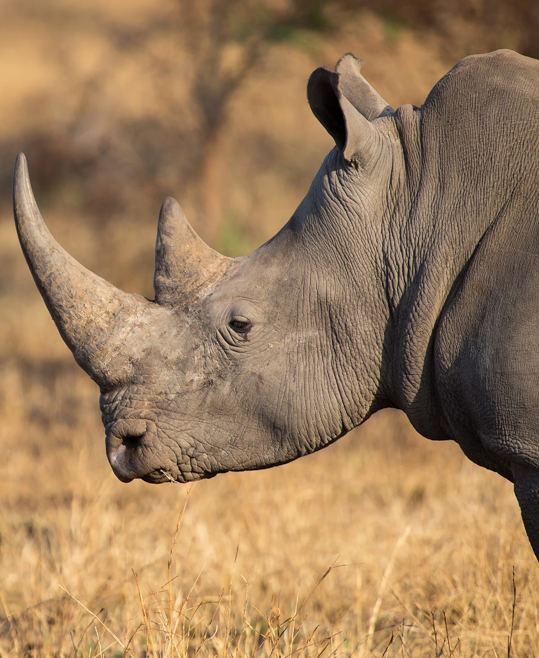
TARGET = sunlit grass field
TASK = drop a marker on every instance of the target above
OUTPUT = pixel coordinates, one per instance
(384, 544)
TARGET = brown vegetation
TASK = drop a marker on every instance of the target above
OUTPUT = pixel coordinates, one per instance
(382, 545)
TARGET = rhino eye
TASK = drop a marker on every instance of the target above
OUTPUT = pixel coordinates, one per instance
(240, 326)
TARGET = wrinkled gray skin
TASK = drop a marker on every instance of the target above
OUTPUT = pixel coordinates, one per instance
(408, 277)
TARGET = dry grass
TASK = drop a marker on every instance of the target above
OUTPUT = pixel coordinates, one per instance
(382, 545)
(384, 542)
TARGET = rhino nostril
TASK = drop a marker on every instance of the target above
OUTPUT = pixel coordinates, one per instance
(127, 431)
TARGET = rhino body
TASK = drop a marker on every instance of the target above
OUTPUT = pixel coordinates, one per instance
(408, 277)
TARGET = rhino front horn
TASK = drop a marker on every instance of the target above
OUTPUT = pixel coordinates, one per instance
(184, 264)
(90, 313)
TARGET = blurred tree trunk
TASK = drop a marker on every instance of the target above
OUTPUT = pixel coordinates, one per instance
(211, 183)
(228, 39)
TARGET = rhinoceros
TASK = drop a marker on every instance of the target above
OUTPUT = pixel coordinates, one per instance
(408, 277)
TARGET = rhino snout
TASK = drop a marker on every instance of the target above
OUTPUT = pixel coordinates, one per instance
(126, 448)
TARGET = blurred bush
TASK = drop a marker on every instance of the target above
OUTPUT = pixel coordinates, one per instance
(197, 55)
(466, 26)
(144, 97)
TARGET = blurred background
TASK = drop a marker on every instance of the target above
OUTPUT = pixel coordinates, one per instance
(117, 105)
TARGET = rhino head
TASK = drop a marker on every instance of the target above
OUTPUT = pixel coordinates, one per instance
(250, 362)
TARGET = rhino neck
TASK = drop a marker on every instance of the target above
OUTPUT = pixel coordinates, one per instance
(382, 277)
(340, 253)
(456, 187)
(419, 274)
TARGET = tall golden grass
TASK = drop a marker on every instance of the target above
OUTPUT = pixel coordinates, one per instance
(384, 544)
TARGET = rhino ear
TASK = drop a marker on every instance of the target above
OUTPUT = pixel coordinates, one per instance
(358, 91)
(345, 103)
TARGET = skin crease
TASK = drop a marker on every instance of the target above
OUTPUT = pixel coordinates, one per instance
(408, 277)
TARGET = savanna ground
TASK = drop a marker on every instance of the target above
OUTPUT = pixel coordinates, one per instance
(384, 544)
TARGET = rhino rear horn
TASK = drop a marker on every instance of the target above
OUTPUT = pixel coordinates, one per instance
(90, 313)
(184, 264)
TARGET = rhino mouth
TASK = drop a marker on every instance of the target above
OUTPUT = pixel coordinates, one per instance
(131, 452)
(158, 476)
(162, 476)
(135, 453)
(130, 464)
